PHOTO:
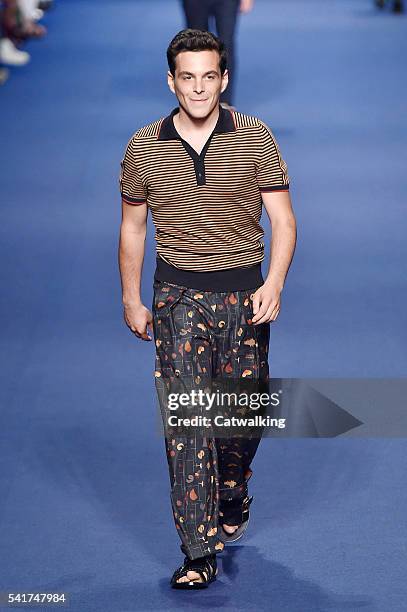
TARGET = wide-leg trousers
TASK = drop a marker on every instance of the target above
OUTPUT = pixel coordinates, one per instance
(206, 335)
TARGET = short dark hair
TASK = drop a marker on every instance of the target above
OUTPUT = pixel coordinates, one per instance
(196, 40)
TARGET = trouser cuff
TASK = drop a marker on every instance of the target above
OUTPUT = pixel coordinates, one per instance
(196, 552)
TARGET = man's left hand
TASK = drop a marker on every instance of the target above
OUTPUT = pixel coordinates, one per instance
(246, 6)
(266, 304)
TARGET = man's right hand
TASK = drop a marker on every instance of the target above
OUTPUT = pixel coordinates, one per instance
(138, 318)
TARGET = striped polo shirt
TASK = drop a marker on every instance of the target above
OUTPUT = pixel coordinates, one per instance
(206, 207)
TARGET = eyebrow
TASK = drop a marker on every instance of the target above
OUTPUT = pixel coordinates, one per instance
(185, 72)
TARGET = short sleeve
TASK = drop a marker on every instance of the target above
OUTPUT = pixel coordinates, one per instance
(272, 173)
(131, 186)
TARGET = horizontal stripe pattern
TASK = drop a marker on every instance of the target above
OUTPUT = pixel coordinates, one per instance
(214, 226)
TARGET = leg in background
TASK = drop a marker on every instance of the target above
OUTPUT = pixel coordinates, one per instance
(197, 14)
(226, 14)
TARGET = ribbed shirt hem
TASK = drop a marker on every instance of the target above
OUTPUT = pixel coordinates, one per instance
(231, 279)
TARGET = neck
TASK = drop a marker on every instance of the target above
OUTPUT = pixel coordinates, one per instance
(192, 124)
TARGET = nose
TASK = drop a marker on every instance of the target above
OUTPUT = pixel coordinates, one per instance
(199, 86)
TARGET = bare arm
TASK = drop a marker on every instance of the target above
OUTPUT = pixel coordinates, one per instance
(131, 256)
(266, 301)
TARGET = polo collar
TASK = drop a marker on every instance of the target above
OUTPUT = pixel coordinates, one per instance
(224, 124)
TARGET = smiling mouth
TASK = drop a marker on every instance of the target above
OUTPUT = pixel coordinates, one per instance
(196, 100)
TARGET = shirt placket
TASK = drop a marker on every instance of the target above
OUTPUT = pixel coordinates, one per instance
(198, 160)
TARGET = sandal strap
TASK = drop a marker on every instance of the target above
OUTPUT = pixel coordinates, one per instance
(235, 511)
(206, 564)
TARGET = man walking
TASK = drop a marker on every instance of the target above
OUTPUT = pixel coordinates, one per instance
(204, 172)
(225, 14)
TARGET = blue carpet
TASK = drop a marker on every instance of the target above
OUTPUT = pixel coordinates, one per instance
(84, 484)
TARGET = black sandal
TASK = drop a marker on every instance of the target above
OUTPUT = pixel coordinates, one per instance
(206, 567)
(244, 516)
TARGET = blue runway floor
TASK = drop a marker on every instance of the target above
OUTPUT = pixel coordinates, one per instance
(84, 484)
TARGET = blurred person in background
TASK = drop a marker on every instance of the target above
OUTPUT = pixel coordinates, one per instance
(9, 54)
(18, 23)
(3, 71)
(27, 15)
(30, 10)
(225, 14)
(397, 7)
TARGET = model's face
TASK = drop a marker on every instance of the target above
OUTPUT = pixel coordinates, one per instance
(198, 82)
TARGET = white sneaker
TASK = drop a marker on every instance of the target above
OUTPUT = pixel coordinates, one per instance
(37, 14)
(30, 10)
(10, 55)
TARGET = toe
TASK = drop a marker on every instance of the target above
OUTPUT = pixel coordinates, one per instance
(191, 575)
(194, 576)
(230, 528)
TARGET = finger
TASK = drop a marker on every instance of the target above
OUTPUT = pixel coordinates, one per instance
(144, 332)
(146, 337)
(275, 310)
(256, 303)
(260, 314)
(133, 328)
(129, 323)
(265, 317)
(275, 315)
(263, 309)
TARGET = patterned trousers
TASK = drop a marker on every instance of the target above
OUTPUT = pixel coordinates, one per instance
(200, 335)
